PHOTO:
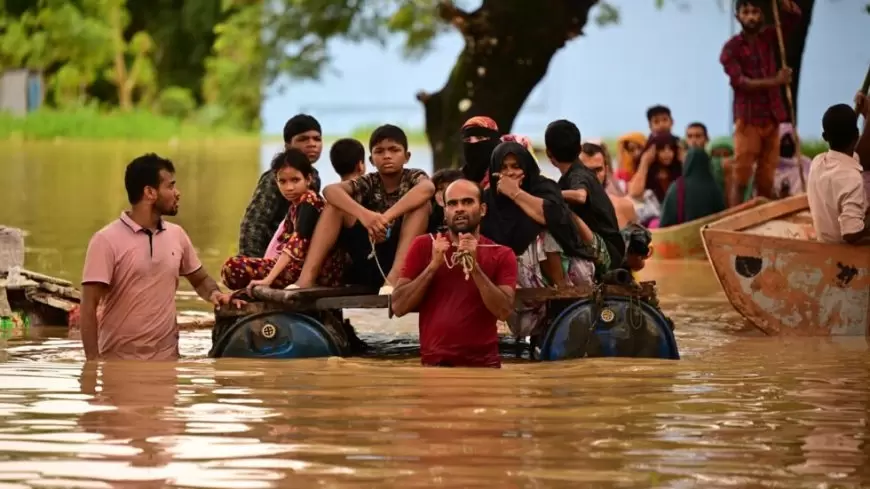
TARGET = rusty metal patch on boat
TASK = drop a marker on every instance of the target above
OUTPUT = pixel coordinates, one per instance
(847, 273)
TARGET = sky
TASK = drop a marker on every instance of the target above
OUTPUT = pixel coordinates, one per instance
(603, 81)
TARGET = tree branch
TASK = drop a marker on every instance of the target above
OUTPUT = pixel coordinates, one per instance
(453, 15)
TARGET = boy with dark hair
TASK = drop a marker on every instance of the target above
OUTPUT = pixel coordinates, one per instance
(348, 157)
(374, 217)
(132, 268)
(268, 208)
(584, 193)
(697, 136)
(659, 119)
(749, 61)
(441, 179)
(835, 190)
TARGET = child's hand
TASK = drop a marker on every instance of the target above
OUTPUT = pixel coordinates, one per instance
(254, 283)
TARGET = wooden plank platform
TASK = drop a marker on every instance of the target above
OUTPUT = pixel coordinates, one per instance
(354, 297)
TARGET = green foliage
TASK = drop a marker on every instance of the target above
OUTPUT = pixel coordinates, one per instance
(90, 123)
(176, 102)
(297, 32)
(234, 73)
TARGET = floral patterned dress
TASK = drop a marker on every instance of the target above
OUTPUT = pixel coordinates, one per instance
(529, 317)
(295, 237)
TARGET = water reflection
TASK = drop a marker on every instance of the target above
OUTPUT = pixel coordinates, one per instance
(737, 411)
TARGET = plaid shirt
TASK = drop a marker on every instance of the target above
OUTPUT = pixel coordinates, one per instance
(754, 59)
(264, 214)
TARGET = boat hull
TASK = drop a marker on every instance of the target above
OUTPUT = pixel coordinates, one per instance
(778, 277)
(683, 241)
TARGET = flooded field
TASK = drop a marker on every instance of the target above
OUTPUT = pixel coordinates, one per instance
(738, 411)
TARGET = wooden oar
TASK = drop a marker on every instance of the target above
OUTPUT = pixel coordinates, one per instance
(788, 95)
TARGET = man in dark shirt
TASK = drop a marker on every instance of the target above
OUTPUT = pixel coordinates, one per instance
(584, 193)
(749, 61)
(458, 312)
(268, 208)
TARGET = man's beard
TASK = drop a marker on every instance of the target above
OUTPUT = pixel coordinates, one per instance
(751, 28)
(469, 226)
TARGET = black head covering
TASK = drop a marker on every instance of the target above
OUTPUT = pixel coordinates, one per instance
(477, 155)
(507, 224)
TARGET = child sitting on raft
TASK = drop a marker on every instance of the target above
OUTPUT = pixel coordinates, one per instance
(283, 261)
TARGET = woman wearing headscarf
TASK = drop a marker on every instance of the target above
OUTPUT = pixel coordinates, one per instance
(787, 179)
(693, 195)
(480, 136)
(658, 167)
(629, 147)
(526, 212)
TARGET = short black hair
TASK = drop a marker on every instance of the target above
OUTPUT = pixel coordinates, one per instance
(292, 158)
(562, 139)
(477, 185)
(840, 127)
(142, 172)
(345, 154)
(741, 3)
(446, 175)
(592, 149)
(701, 126)
(298, 124)
(391, 132)
(657, 110)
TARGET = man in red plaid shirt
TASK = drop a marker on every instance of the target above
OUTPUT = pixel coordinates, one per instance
(749, 62)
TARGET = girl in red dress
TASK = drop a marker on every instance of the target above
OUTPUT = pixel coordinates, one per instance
(293, 173)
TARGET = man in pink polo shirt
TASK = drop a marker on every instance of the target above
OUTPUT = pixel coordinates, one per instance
(132, 268)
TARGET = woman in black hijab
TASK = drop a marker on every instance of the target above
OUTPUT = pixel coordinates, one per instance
(480, 136)
(526, 212)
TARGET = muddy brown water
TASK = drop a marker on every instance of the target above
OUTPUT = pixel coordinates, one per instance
(739, 410)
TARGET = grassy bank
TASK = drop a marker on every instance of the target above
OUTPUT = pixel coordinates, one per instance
(88, 124)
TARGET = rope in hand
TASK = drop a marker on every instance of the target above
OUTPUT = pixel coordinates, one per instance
(463, 258)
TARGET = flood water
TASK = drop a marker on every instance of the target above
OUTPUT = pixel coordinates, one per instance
(738, 410)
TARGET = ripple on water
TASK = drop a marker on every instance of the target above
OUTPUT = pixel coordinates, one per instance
(737, 411)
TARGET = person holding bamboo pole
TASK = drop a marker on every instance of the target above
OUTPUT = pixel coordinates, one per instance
(750, 63)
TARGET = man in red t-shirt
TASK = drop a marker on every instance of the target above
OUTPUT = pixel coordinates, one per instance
(457, 314)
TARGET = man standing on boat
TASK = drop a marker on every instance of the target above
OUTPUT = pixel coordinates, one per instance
(268, 208)
(748, 60)
(132, 268)
(461, 283)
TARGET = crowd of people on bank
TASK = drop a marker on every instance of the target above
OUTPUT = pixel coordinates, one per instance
(456, 245)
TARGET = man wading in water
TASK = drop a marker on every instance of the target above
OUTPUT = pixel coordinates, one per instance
(758, 107)
(132, 268)
(268, 208)
(461, 283)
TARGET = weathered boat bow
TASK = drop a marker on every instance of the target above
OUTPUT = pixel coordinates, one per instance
(782, 280)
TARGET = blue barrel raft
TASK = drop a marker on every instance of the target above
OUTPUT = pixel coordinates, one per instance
(278, 335)
(615, 326)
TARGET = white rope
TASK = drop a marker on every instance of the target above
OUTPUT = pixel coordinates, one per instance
(462, 258)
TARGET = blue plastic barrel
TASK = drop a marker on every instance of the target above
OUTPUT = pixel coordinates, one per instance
(619, 327)
(281, 335)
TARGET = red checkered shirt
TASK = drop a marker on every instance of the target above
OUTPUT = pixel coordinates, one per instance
(754, 59)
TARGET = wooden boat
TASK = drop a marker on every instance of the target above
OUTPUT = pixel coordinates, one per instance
(306, 323)
(684, 240)
(782, 280)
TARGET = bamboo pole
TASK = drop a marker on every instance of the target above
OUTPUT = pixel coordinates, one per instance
(866, 85)
(788, 95)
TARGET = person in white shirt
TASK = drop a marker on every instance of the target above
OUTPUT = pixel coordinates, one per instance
(835, 189)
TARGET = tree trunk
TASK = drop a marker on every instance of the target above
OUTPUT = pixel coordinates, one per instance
(508, 48)
(125, 90)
